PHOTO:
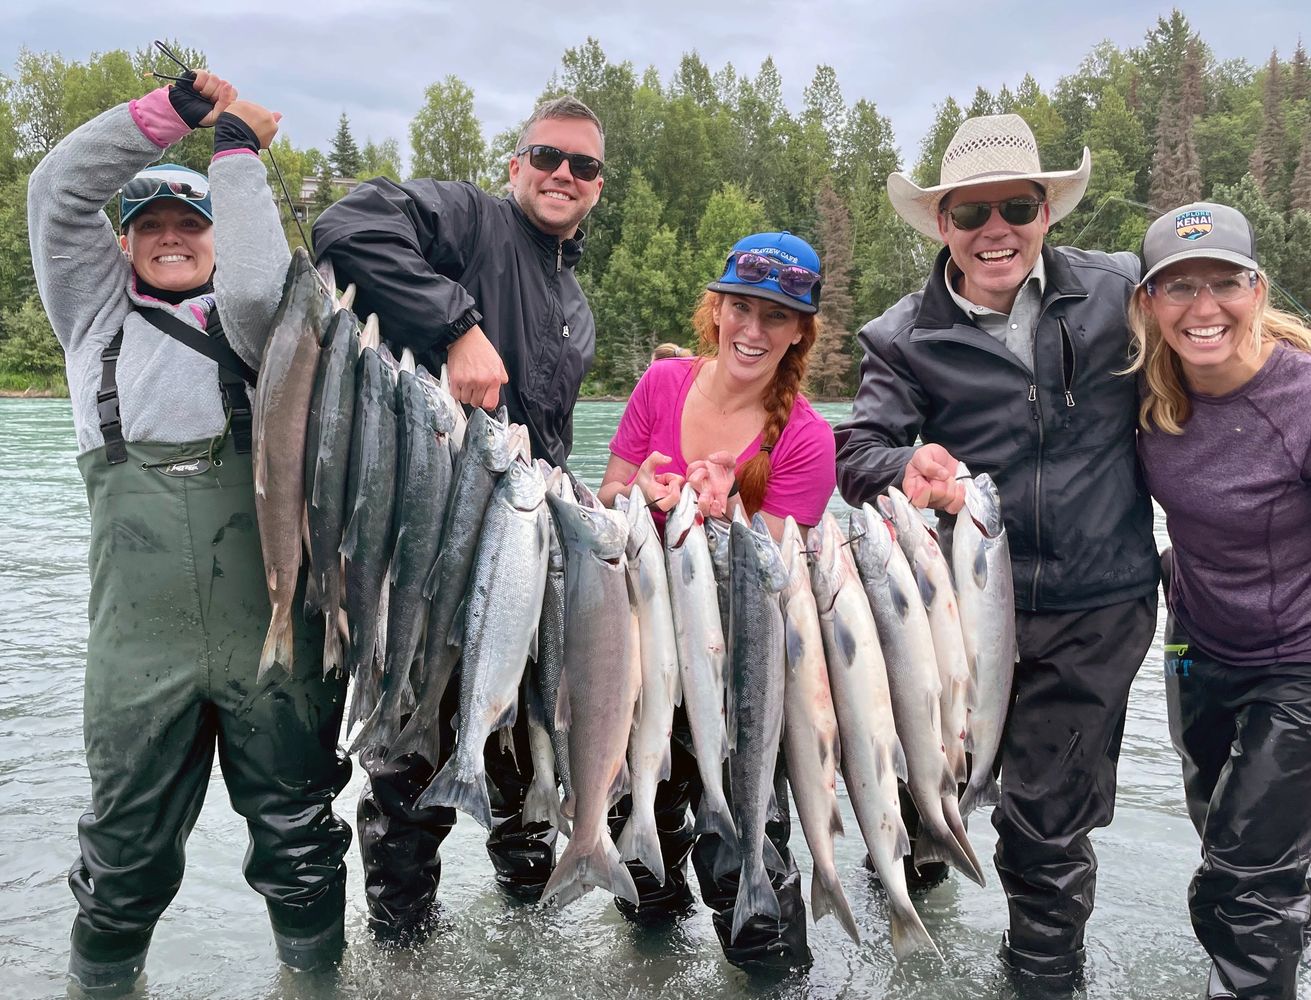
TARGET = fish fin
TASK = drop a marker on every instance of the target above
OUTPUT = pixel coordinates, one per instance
(845, 640)
(728, 858)
(793, 646)
(532, 642)
(467, 795)
(979, 568)
(678, 688)
(835, 827)
(947, 784)
(578, 871)
(350, 538)
(927, 590)
(755, 897)
(639, 841)
(901, 843)
(665, 767)
(455, 637)
(772, 810)
(277, 644)
(506, 740)
(899, 760)
(980, 796)
(422, 733)
(948, 843)
(971, 693)
(909, 934)
(620, 786)
(773, 860)
(430, 584)
(563, 713)
(333, 654)
(714, 817)
(826, 896)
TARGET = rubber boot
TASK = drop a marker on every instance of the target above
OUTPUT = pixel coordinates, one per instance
(111, 978)
(1216, 989)
(307, 953)
(1042, 977)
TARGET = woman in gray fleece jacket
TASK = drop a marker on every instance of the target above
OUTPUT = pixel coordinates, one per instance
(178, 606)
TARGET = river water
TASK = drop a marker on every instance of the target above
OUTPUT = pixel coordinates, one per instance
(214, 941)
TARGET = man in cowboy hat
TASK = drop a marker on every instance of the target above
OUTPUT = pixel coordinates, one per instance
(1007, 360)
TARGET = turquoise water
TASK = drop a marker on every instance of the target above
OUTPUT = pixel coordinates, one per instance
(214, 942)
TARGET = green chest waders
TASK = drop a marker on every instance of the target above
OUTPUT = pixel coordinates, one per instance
(178, 614)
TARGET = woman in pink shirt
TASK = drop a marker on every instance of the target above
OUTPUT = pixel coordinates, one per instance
(732, 422)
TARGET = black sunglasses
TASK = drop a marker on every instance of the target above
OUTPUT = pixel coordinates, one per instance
(548, 158)
(1017, 211)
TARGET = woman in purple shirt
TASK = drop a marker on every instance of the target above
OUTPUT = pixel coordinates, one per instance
(1226, 449)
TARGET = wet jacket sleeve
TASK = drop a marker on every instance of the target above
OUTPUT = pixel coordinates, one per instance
(875, 445)
(250, 252)
(404, 247)
(81, 273)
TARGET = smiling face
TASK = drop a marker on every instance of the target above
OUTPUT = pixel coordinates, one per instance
(754, 334)
(994, 259)
(556, 202)
(1213, 340)
(171, 246)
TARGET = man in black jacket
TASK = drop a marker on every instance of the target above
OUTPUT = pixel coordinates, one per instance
(487, 285)
(1006, 360)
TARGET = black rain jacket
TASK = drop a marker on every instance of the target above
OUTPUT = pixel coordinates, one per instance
(432, 258)
(1060, 442)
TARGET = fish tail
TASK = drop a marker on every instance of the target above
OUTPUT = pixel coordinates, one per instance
(909, 934)
(541, 804)
(469, 795)
(278, 642)
(826, 896)
(755, 897)
(714, 817)
(639, 841)
(937, 842)
(951, 810)
(581, 868)
(333, 654)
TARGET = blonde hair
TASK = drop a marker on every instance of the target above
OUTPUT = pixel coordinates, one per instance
(789, 379)
(1165, 405)
(670, 350)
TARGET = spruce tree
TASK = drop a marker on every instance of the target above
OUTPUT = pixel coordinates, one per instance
(832, 359)
(345, 155)
(1267, 163)
(1299, 195)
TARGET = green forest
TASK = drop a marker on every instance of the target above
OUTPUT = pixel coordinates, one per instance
(697, 160)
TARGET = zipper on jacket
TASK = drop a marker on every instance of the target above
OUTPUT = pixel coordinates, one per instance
(559, 257)
(565, 331)
(1067, 361)
(1037, 499)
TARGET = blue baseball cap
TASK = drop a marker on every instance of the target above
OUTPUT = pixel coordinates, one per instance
(776, 266)
(165, 180)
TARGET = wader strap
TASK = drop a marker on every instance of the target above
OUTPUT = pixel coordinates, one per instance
(111, 427)
(234, 374)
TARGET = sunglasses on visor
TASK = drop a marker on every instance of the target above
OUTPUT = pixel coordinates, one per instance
(1017, 211)
(793, 279)
(548, 158)
(147, 187)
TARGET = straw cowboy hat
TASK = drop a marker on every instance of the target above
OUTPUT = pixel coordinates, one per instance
(983, 150)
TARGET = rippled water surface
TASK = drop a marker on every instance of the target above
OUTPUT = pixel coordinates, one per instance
(214, 941)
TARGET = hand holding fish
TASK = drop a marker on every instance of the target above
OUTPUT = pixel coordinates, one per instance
(260, 120)
(661, 489)
(475, 369)
(930, 480)
(713, 479)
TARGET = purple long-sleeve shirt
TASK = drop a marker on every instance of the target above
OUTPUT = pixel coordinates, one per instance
(1236, 490)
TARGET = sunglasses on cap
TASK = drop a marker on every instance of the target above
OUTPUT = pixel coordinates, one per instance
(793, 279)
(548, 158)
(145, 187)
(1016, 211)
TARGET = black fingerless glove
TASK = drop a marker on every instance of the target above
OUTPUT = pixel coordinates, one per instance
(231, 132)
(189, 105)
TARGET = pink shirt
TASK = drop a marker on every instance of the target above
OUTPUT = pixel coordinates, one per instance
(803, 471)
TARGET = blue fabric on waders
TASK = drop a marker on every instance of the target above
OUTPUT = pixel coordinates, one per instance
(178, 614)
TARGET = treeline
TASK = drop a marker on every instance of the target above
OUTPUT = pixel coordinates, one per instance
(695, 161)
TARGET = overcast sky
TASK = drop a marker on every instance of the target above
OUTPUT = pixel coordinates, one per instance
(373, 58)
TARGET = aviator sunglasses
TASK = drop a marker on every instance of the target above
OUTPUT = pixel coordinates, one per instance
(145, 188)
(1016, 211)
(548, 158)
(793, 279)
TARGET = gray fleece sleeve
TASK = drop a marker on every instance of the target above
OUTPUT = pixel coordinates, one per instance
(250, 252)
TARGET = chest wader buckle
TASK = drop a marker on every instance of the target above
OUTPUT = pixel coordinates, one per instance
(111, 425)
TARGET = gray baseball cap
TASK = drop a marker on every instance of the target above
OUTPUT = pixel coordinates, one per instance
(1200, 230)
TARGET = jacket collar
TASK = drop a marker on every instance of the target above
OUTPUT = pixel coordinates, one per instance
(571, 248)
(938, 310)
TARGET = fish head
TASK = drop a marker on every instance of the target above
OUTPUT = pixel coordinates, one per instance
(793, 551)
(824, 549)
(441, 404)
(640, 526)
(602, 532)
(983, 505)
(522, 485)
(873, 538)
(754, 552)
(489, 441)
(682, 520)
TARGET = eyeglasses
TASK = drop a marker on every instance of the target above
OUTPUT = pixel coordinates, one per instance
(1182, 291)
(148, 186)
(794, 279)
(548, 158)
(1017, 211)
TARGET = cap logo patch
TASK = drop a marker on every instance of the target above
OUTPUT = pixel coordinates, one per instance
(1192, 225)
(776, 252)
